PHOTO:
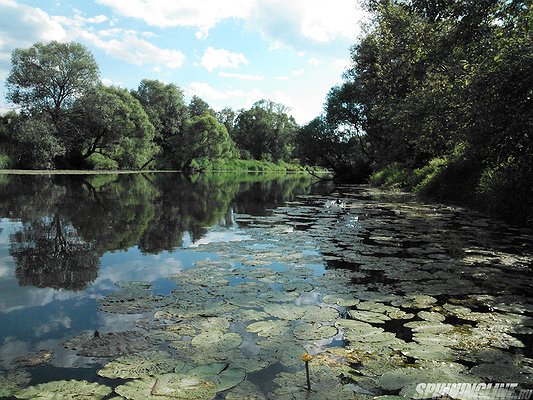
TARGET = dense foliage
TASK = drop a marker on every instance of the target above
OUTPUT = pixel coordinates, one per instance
(68, 119)
(266, 131)
(439, 98)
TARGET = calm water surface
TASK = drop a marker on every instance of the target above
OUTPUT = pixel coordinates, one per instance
(66, 241)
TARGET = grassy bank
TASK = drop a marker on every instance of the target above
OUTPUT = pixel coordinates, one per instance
(505, 192)
(201, 165)
(249, 166)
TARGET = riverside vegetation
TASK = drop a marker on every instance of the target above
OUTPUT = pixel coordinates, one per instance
(438, 100)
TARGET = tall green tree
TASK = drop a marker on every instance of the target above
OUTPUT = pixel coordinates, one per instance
(204, 137)
(227, 117)
(266, 131)
(166, 109)
(35, 144)
(111, 123)
(49, 77)
(199, 107)
(335, 147)
(447, 81)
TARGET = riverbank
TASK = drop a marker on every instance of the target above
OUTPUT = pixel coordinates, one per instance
(500, 194)
(201, 166)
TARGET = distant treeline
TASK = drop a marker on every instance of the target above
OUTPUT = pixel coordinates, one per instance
(68, 119)
(439, 100)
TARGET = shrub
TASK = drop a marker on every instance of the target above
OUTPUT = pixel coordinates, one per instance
(394, 175)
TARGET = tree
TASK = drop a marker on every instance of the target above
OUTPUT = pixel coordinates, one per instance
(110, 122)
(227, 116)
(48, 78)
(337, 148)
(166, 110)
(204, 137)
(266, 131)
(36, 145)
(198, 107)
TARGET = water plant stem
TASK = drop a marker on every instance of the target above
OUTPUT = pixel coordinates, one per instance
(307, 375)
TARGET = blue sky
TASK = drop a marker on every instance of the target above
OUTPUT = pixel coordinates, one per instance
(228, 52)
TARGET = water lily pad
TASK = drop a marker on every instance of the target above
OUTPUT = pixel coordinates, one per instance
(133, 300)
(442, 372)
(319, 314)
(169, 332)
(12, 381)
(325, 385)
(431, 316)
(168, 386)
(282, 350)
(108, 345)
(142, 285)
(500, 372)
(269, 328)
(288, 312)
(343, 300)
(420, 301)
(245, 315)
(65, 390)
(425, 352)
(297, 287)
(225, 378)
(279, 297)
(316, 331)
(140, 364)
(429, 327)
(245, 391)
(220, 324)
(357, 331)
(368, 316)
(216, 342)
(249, 362)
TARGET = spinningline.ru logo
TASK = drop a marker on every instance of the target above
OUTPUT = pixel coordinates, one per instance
(472, 391)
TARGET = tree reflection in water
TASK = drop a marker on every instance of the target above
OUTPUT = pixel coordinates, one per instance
(69, 221)
(50, 253)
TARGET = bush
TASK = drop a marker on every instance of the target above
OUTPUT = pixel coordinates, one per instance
(507, 192)
(394, 175)
(5, 161)
(421, 177)
(99, 162)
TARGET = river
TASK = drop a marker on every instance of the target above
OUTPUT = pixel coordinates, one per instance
(154, 286)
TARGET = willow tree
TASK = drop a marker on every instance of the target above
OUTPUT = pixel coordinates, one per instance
(109, 123)
(49, 77)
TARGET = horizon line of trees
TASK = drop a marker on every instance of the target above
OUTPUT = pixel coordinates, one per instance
(68, 119)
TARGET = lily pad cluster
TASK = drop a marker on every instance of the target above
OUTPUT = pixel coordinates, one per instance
(384, 294)
(12, 381)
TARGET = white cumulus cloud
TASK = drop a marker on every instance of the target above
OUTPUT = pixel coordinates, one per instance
(200, 14)
(125, 44)
(304, 23)
(22, 26)
(222, 58)
(289, 22)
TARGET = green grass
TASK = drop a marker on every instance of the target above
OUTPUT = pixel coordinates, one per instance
(503, 191)
(392, 176)
(247, 166)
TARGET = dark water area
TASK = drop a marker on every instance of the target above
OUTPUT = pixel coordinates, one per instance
(252, 271)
